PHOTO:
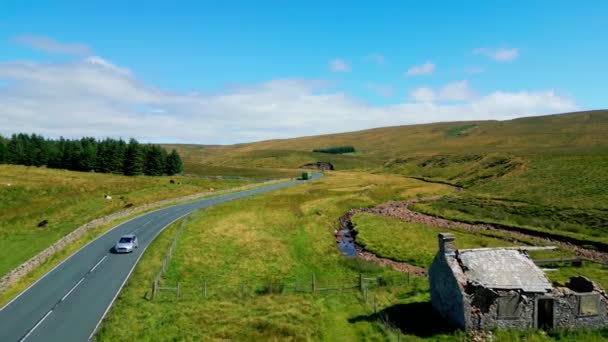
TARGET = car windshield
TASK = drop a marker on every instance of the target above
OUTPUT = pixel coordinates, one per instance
(125, 240)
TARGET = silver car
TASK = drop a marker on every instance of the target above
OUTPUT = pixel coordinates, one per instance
(126, 244)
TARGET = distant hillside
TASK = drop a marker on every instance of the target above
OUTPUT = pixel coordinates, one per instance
(544, 174)
(580, 132)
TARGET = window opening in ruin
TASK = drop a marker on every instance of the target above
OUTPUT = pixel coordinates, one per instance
(508, 307)
(588, 304)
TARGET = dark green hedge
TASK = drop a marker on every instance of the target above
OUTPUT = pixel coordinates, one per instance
(335, 150)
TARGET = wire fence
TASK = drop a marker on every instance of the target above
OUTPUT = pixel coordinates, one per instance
(156, 283)
(164, 289)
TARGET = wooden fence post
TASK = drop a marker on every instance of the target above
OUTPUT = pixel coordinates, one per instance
(361, 283)
(375, 306)
(177, 293)
(314, 283)
(154, 288)
(205, 289)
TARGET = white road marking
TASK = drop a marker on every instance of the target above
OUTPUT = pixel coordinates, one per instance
(140, 227)
(97, 264)
(83, 247)
(36, 326)
(61, 300)
(131, 271)
(72, 289)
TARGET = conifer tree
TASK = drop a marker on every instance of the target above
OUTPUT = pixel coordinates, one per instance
(2, 150)
(173, 164)
(154, 161)
(133, 159)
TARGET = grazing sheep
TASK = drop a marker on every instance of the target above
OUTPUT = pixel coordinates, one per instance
(108, 197)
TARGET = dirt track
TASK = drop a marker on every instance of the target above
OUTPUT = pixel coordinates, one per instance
(401, 211)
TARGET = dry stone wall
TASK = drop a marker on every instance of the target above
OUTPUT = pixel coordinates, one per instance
(22, 270)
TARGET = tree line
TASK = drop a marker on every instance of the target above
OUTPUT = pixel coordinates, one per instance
(89, 154)
(335, 150)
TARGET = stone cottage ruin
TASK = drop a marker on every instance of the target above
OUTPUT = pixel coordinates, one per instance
(502, 288)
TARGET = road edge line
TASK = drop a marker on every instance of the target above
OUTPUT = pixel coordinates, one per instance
(131, 271)
(88, 243)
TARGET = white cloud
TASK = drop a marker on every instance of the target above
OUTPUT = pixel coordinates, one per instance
(52, 46)
(427, 68)
(453, 91)
(381, 89)
(457, 91)
(498, 54)
(339, 65)
(374, 58)
(97, 98)
(423, 94)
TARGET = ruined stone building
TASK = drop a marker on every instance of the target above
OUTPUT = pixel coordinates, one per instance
(319, 166)
(502, 288)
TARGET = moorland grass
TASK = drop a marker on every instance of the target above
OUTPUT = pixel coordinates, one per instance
(584, 225)
(412, 243)
(543, 173)
(67, 199)
(237, 242)
(566, 134)
(284, 236)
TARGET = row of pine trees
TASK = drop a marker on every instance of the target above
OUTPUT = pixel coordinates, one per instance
(88, 154)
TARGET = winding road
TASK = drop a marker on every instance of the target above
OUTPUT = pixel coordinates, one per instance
(70, 301)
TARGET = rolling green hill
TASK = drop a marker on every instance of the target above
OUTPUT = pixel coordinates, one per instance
(581, 132)
(545, 173)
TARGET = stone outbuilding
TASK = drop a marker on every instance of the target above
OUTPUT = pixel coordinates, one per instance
(502, 288)
(319, 166)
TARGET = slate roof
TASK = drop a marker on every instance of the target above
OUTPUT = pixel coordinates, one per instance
(507, 268)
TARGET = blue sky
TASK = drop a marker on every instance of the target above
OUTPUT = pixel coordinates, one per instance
(236, 71)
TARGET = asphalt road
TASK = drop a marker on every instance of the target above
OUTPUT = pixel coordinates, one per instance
(68, 303)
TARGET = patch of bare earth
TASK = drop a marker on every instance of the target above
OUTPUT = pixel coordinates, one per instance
(400, 210)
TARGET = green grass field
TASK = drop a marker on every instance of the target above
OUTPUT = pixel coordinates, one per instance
(413, 243)
(238, 243)
(237, 249)
(543, 173)
(69, 199)
(569, 134)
